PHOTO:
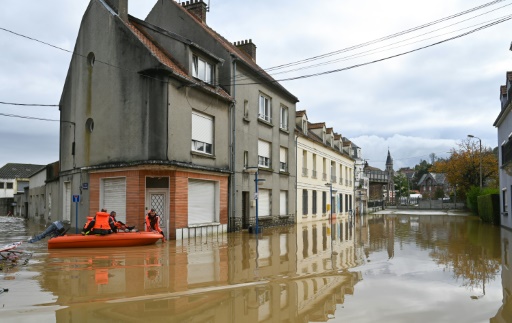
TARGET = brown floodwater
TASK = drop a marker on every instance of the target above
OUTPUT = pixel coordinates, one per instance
(382, 268)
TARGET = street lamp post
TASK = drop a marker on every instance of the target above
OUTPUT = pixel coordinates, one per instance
(480, 141)
(254, 170)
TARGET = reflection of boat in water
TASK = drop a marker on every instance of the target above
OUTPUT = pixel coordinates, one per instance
(121, 239)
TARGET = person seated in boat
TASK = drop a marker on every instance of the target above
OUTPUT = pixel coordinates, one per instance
(56, 228)
(153, 223)
(119, 224)
(102, 224)
(86, 225)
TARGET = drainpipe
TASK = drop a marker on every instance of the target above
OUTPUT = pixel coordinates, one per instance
(233, 150)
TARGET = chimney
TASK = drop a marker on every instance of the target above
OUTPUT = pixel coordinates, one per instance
(248, 47)
(120, 7)
(197, 8)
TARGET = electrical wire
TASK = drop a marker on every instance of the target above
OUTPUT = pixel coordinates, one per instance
(30, 104)
(26, 117)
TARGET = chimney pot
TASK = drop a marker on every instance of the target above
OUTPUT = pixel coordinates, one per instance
(248, 48)
(197, 8)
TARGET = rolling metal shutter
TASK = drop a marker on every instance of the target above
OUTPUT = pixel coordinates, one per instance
(202, 128)
(114, 197)
(283, 210)
(67, 202)
(201, 202)
(264, 203)
(263, 148)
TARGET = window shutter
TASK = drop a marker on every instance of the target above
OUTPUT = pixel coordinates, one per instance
(202, 128)
(67, 202)
(283, 203)
(201, 202)
(282, 155)
(264, 202)
(263, 148)
(114, 197)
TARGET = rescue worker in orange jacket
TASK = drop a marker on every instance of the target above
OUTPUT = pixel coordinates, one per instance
(152, 223)
(101, 224)
(119, 224)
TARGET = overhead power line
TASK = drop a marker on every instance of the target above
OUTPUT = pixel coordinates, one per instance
(506, 18)
(26, 117)
(30, 104)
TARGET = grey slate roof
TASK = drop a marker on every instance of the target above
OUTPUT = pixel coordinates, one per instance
(13, 170)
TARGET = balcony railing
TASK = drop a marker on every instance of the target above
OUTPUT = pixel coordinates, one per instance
(324, 176)
(313, 173)
(341, 181)
(333, 179)
(346, 182)
(304, 172)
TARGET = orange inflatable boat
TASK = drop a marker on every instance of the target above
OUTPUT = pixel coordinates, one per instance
(121, 239)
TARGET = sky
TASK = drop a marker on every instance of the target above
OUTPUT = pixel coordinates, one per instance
(393, 79)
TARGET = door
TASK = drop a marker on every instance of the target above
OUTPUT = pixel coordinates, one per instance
(245, 210)
(158, 199)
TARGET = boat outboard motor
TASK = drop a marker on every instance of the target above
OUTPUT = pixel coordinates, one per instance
(55, 229)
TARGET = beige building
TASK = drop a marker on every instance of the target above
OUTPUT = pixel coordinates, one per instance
(323, 168)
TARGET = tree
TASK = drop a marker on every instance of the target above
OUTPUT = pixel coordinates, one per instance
(462, 168)
(401, 184)
(419, 170)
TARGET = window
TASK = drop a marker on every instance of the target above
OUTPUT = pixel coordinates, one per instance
(1, 184)
(265, 108)
(264, 198)
(305, 126)
(203, 201)
(263, 153)
(202, 133)
(113, 196)
(324, 202)
(283, 158)
(246, 159)
(283, 115)
(9, 186)
(202, 69)
(314, 203)
(304, 202)
(283, 203)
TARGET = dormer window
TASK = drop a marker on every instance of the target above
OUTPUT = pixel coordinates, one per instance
(202, 70)
(305, 126)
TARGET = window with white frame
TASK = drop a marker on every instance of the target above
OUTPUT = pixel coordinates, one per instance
(265, 109)
(283, 115)
(113, 196)
(283, 202)
(202, 70)
(264, 198)
(283, 159)
(264, 153)
(202, 133)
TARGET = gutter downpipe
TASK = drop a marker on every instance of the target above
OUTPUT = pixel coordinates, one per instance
(233, 152)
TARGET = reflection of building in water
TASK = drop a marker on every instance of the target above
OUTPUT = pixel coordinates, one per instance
(322, 251)
(275, 276)
(504, 314)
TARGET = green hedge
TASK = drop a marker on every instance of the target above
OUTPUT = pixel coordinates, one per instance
(489, 208)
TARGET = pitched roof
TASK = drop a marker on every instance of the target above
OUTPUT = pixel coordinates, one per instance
(13, 170)
(240, 54)
(167, 59)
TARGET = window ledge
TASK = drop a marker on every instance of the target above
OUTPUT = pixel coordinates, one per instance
(304, 216)
(282, 172)
(265, 218)
(265, 122)
(284, 130)
(202, 155)
(246, 119)
(265, 169)
(284, 216)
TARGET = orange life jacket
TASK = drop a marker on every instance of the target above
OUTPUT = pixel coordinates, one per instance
(88, 220)
(102, 223)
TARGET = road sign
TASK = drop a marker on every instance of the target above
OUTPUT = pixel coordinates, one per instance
(76, 198)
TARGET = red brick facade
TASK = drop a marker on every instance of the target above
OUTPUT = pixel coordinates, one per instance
(178, 194)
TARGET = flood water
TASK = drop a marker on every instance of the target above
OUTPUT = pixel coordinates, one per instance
(382, 268)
